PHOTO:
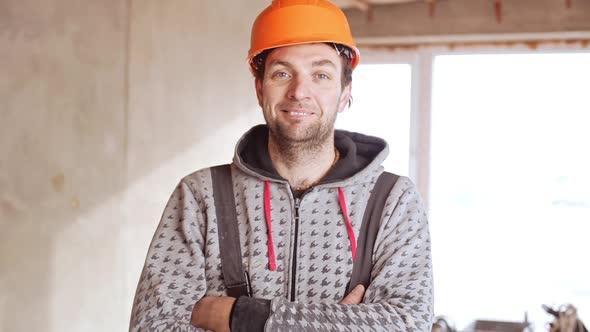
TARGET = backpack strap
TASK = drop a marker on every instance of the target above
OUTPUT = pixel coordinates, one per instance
(234, 276)
(361, 270)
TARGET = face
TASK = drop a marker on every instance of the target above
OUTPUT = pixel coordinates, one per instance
(301, 93)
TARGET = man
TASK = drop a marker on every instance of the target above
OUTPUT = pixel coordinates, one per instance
(300, 190)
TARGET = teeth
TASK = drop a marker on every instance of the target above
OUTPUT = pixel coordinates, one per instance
(297, 113)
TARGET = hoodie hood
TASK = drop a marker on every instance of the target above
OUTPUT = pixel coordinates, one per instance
(360, 155)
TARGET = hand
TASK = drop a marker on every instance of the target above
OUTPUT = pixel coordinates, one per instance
(355, 296)
(213, 313)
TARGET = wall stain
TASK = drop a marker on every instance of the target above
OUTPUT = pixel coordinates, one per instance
(7, 208)
(58, 181)
(75, 203)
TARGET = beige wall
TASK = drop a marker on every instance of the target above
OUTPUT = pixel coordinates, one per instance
(104, 105)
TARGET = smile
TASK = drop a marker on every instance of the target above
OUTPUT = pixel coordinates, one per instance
(298, 113)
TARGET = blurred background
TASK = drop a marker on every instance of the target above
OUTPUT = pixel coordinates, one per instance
(104, 106)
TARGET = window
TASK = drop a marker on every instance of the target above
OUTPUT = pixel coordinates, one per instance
(510, 184)
(502, 141)
(381, 107)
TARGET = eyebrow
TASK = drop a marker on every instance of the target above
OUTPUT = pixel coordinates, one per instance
(319, 63)
(279, 63)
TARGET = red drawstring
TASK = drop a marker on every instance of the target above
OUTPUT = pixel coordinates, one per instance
(349, 229)
(272, 262)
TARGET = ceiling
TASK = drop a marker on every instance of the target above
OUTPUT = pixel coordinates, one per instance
(364, 4)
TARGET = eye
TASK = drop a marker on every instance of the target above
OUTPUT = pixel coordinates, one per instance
(280, 75)
(323, 76)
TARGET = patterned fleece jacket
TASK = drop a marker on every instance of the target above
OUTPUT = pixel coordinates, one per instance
(299, 255)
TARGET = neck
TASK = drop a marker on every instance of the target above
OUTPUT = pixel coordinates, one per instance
(302, 165)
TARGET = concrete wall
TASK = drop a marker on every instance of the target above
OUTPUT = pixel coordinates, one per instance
(104, 105)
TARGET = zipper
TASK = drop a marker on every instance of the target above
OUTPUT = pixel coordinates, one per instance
(295, 253)
(248, 284)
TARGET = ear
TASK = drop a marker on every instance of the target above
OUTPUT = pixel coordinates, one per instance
(344, 97)
(258, 85)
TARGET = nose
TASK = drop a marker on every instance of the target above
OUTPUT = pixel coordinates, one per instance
(299, 88)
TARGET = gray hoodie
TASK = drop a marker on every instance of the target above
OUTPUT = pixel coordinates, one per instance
(298, 252)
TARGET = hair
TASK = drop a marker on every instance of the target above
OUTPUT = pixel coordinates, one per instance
(346, 54)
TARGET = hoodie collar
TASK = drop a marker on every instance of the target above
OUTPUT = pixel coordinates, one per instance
(358, 154)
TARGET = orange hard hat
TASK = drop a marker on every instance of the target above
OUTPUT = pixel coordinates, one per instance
(292, 22)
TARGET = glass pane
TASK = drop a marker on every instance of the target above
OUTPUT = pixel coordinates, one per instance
(381, 107)
(510, 185)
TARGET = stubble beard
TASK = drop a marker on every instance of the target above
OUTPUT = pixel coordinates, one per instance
(294, 146)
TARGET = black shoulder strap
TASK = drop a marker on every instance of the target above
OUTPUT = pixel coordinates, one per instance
(361, 270)
(230, 250)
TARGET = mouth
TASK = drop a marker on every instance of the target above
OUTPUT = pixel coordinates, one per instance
(298, 113)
